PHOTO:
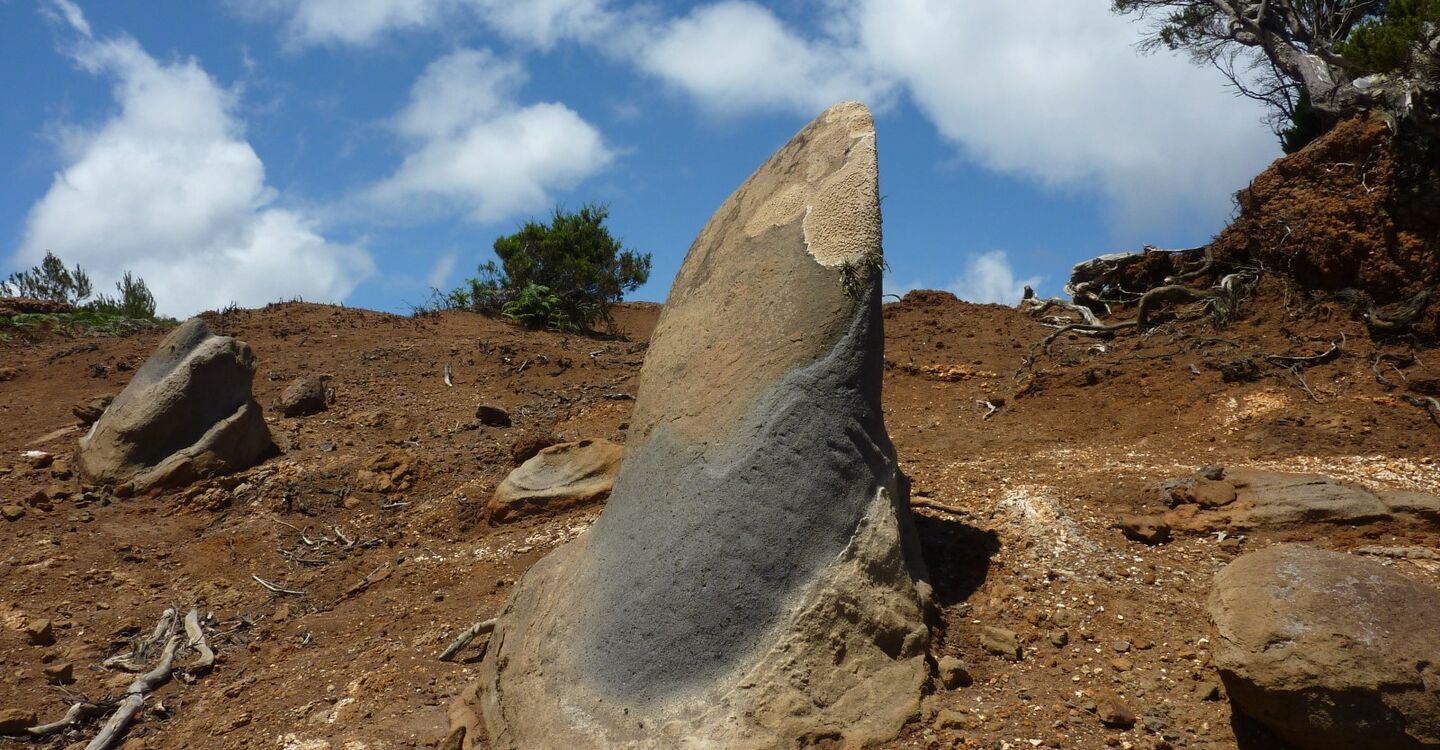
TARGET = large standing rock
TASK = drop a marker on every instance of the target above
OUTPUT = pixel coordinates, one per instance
(558, 478)
(187, 414)
(752, 582)
(1330, 651)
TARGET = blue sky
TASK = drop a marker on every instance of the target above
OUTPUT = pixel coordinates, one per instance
(364, 150)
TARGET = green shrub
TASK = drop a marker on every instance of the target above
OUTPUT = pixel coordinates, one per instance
(135, 300)
(50, 280)
(562, 274)
(538, 307)
(132, 309)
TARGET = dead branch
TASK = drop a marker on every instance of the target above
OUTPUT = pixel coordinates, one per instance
(275, 588)
(1306, 361)
(1428, 403)
(1083, 328)
(1195, 273)
(1035, 307)
(1404, 360)
(196, 636)
(463, 640)
(448, 380)
(1173, 295)
(991, 408)
(78, 712)
(135, 660)
(364, 583)
(932, 505)
(135, 698)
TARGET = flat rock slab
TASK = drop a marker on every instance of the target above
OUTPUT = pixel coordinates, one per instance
(1414, 504)
(1330, 651)
(1267, 498)
(752, 581)
(558, 478)
(187, 414)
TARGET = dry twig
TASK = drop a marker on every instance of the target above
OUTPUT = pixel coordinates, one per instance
(463, 640)
(275, 588)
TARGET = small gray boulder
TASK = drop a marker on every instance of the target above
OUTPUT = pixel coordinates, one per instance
(187, 414)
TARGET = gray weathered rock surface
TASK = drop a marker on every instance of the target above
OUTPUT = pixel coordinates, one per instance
(1266, 498)
(1250, 498)
(187, 414)
(752, 582)
(558, 478)
(1330, 651)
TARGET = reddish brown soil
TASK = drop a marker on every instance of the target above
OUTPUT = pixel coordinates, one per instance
(1333, 217)
(1082, 436)
(1039, 484)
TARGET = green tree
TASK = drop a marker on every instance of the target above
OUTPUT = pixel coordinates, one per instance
(562, 274)
(50, 281)
(1276, 50)
(134, 300)
(1386, 42)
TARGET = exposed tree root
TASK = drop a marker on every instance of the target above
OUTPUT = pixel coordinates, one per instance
(463, 640)
(1428, 403)
(1306, 361)
(78, 712)
(135, 698)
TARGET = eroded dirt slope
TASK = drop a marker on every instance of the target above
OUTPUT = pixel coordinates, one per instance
(389, 576)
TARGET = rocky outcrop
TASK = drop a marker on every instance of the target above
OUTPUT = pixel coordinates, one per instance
(187, 414)
(1250, 498)
(754, 580)
(556, 479)
(1328, 650)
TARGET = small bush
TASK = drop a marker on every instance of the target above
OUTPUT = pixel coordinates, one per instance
(131, 310)
(50, 280)
(134, 301)
(564, 274)
(538, 307)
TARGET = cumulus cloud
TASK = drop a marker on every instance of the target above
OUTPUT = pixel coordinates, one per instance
(1054, 90)
(169, 188)
(543, 23)
(989, 277)
(735, 56)
(348, 22)
(1049, 90)
(476, 151)
(540, 23)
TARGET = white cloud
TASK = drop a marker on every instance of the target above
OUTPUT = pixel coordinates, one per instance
(735, 56)
(69, 13)
(539, 23)
(353, 22)
(543, 23)
(475, 150)
(989, 277)
(169, 188)
(1049, 90)
(442, 270)
(1054, 90)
